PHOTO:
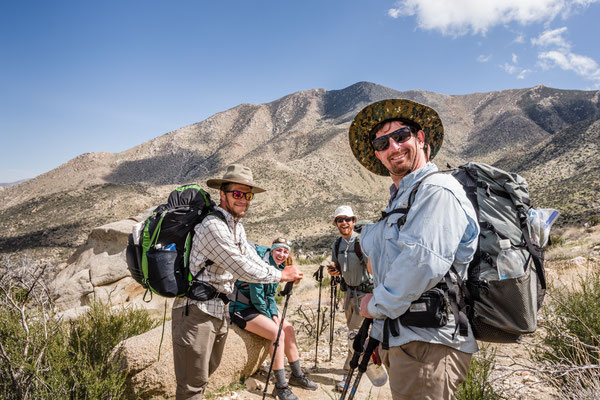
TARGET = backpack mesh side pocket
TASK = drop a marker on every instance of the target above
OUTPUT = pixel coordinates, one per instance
(506, 309)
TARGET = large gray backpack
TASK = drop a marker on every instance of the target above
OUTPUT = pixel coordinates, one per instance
(499, 310)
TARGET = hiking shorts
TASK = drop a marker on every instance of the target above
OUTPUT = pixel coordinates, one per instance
(241, 318)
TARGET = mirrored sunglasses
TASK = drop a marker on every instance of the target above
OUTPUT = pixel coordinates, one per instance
(238, 194)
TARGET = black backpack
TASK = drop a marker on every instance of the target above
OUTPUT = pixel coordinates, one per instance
(159, 248)
(499, 310)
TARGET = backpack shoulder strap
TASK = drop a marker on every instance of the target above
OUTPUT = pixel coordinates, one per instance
(336, 249)
(358, 251)
(411, 199)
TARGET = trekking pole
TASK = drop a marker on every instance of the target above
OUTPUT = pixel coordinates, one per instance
(362, 367)
(319, 277)
(287, 291)
(332, 297)
(357, 346)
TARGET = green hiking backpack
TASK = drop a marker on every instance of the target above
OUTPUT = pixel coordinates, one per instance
(159, 247)
(499, 310)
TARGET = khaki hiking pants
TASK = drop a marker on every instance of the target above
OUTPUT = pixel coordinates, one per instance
(353, 321)
(419, 370)
(198, 343)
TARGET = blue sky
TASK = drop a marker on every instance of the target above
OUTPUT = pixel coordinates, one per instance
(89, 76)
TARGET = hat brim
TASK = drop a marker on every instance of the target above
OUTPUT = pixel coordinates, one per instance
(216, 184)
(358, 135)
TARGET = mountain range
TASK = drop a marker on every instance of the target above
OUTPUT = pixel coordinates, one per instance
(297, 147)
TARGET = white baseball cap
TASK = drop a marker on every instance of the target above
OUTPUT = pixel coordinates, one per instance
(343, 210)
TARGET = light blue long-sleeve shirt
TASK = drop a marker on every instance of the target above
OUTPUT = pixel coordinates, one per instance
(440, 231)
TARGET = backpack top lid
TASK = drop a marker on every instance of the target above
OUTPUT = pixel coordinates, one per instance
(190, 195)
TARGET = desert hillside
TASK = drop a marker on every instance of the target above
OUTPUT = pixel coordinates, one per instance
(298, 149)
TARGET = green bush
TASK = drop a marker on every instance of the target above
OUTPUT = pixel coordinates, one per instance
(44, 358)
(571, 348)
(90, 342)
(477, 386)
(574, 336)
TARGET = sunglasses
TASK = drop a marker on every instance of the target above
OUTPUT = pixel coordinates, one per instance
(238, 194)
(343, 219)
(283, 241)
(399, 136)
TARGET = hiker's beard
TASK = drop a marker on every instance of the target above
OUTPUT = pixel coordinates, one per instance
(237, 208)
(346, 231)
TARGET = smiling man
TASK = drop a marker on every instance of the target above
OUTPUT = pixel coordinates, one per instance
(348, 262)
(423, 240)
(220, 255)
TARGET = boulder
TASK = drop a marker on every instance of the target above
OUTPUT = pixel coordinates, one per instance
(98, 271)
(149, 376)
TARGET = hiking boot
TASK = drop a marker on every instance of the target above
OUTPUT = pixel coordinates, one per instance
(303, 382)
(284, 393)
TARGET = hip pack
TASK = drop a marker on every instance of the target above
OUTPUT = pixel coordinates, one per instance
(499, 309)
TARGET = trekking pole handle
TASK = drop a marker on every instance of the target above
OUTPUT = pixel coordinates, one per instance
(371, 344)
(287, 289)
(318, 275)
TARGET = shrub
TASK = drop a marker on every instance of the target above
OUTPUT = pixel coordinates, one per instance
(477, 386)
(575, 320)
(571, 347)
(44, 358)
(90, 342)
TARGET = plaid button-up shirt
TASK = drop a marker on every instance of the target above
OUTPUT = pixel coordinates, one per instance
(225, 244)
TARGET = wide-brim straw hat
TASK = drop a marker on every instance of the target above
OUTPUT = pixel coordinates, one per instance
(236, 173)
(426, 117)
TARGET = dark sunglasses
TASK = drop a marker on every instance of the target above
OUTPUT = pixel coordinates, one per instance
(238, 194)
(343, 219)
(399, 136)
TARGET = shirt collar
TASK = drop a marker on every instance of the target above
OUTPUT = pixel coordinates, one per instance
(409, 180)
(228, 215)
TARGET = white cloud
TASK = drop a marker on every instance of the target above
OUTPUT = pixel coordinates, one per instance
(519, 39)
(515, 59)
(459, 17)
(552, 38)
(523, 74)
(582, 65)
(511, 69)
(484, 58)
(561, 56)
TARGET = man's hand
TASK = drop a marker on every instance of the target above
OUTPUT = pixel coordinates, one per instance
(364, 306)
(332, 270)
(291, 273)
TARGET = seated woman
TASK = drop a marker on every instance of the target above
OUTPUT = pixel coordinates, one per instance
(254, 309)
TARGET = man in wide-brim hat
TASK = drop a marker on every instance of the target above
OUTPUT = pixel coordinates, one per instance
(219, 246)
(413, 247)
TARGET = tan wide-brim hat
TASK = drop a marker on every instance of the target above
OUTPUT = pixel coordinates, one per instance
(427, 118)
(236, 173)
